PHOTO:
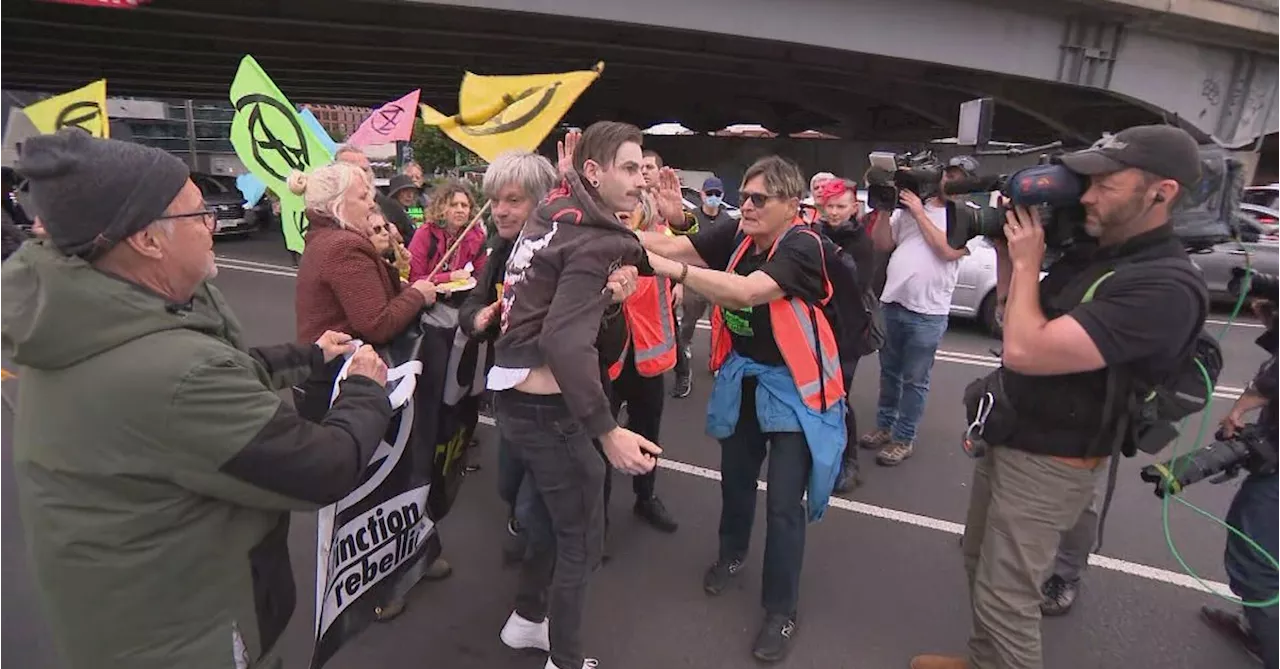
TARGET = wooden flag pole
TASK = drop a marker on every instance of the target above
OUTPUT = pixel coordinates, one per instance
(454, 247)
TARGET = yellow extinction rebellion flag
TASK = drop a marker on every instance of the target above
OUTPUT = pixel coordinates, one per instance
(510, 112)
(84, 108)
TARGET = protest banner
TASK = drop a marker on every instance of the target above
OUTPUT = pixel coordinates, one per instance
(374, 544)
(84, 108)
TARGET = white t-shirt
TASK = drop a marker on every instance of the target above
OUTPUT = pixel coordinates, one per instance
(916, 277)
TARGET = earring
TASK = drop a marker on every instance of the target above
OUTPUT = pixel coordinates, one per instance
(594, 183)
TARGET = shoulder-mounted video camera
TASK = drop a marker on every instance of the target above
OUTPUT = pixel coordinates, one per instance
(1202, 216)
(891, 173)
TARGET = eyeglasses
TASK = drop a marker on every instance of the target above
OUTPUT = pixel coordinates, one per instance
(757, 199)
(208, 216)
(378, 229)
(714, 193)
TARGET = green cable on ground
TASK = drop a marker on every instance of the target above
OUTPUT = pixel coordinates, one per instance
(1179, 458)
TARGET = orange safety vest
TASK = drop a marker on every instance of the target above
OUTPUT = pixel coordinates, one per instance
(815, 365)
(650, 319)
(651, 326)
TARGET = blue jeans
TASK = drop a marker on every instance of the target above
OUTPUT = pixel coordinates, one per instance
(906, 359)
(1252, 578)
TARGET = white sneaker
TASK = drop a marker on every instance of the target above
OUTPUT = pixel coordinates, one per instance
(588, 663)
(522, 634)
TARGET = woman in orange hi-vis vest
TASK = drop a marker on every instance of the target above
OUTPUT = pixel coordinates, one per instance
(778, 390)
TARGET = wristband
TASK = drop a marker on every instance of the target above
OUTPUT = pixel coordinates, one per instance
(684, 273)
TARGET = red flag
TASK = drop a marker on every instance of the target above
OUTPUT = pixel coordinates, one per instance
(392, 122)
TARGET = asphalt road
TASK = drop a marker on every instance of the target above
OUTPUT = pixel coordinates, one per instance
(883, 578)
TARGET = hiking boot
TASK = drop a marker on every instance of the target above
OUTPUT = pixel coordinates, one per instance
(719, 574)
(848, 478)
(775, 637)
(438, 571)
(683, 386)
(654, 512)
(874, 440)
(1234, 627)
(389, 610)
(1059, 595)
(587, 663)
(894, 453)
(522, 634)
(939, 662)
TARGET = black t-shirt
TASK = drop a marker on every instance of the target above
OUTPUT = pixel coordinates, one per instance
(796, 266)
(1144, 315)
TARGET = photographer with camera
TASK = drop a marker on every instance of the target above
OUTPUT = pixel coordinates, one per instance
(1113, 320)
(1253, 512)
(916, 300)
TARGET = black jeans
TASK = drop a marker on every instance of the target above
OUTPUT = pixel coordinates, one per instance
(1252, 577)
(849, 369)
(789, 463)
(644, 397)
(567, 473)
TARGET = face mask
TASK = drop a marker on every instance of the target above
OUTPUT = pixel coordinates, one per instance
(713, 200)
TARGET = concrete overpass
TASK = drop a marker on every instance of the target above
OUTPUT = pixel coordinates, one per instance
(863, 70)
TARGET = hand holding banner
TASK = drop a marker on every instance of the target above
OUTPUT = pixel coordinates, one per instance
(273, 140)
(84, 108)
(388, 124)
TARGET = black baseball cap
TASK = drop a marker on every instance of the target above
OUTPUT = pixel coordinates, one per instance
(1163, 150)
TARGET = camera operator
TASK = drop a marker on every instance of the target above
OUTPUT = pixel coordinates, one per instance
(1253, 512)
(1074, 346)
(920, 279)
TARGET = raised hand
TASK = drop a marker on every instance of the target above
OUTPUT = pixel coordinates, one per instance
(565, 149)
(667, 196)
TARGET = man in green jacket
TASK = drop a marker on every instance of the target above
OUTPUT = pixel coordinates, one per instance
(156, 465)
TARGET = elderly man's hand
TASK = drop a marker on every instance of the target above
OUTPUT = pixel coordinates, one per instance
(334, 344)
(622, 283)
(369, 364)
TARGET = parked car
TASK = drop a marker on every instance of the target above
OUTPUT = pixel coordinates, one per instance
(1217, 264)
(222, 195)
(1264, 196)
(1265, 221)
(975, 294)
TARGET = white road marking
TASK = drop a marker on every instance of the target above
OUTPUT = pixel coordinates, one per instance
(1109, 563)
(1231, 393)
(1112, 564)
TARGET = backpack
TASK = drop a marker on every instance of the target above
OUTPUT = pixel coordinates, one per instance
(854, 310)
(1154, 410)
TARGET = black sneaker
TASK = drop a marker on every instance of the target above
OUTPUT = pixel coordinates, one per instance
(683, 386)
(719, 574)
(848, 478)
(654, 512)
(774, 639)
(1059, 594)
(1234, 627)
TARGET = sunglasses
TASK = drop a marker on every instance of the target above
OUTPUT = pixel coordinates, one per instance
(378, 229)
(757, 199)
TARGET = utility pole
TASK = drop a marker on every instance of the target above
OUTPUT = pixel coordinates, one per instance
(191, 134)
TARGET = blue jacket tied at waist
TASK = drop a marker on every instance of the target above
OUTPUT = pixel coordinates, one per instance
(780, 409)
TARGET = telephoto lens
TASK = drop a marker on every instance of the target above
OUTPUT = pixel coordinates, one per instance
(1260, 284)
(1172, 476)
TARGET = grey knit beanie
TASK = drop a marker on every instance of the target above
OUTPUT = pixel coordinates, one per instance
(92, 193)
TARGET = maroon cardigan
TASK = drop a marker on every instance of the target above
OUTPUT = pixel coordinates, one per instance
(344, 285)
